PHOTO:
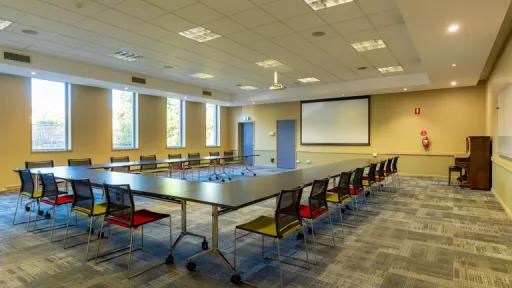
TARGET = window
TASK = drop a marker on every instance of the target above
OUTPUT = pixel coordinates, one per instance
(50, 116)
(124, 120)
(175, 123)
(212, 125)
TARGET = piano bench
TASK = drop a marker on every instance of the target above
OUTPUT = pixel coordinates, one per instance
(453, 169)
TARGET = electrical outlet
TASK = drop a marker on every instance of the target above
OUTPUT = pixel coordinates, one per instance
(271, 159)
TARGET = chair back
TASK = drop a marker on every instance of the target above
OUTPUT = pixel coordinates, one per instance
(27, 182)
(83, 197)
(49, 185)
(118, 160)
(80, 162)
(229, 154)
(317, 197)
(214, 154)
(344, 185)
(175, 165)
(388, 165)
(193, 156)
(287, 211)
(39, 164)
(371, 172)
(148, 158)
(380, 171)
(395, 160)
(357, 182)
(120, 205)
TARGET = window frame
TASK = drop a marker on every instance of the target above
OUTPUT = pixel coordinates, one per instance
(217, 127)
(183, 125)
(67, 119)
(135, 120)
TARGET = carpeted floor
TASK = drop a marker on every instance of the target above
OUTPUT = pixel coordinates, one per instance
(424, 234)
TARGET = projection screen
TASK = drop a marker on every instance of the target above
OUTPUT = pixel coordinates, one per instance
(340, 121)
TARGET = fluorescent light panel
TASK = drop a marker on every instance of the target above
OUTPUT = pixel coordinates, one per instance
(199, 34)
(269, 63)
(308, 80)
(390, 69)
(201, 76)
(4, 24)
(368, 45)
(322, 4)
(248, 87)
(125, 56)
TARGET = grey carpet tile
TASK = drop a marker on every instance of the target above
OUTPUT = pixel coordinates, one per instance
(424, 234)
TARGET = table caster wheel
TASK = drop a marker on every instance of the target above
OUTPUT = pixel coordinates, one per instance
(204, 245)
(209, 178)
(253, 174)
(169, 260)
(47, 215)
(223, 180)
(236, 279)
(300, 236)
(217, 177)
(191, 266)
(243, 173)
(101, 235)
(90, 230)
(229, 179)
(27, 208)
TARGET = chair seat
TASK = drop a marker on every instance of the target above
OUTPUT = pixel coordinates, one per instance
(333, 198)
(36, 194)
(353, 191)
(305, 212)
(59, 200)
(265, 225)
(140, 217)
(98, 209)
(334, 189)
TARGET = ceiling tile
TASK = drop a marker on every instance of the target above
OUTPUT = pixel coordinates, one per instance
(340, 12)
(253, 17)
(198, 14)
(381, 58)
(224, 26)
(110, 3)
(386, 18)
(229, 7)
(396, 40)
(46, 10)
(373, 6)
(305, 21)
(272, 30)
(87, 8)
(171, 5)
(172, 22)
(363, 35)
(283, 9)
(140, 9)
(352, 26)
(10, 14)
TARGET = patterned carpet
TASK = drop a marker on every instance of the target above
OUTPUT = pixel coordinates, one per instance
(424, 234)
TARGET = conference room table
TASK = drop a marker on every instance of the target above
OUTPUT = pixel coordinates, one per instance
(222, 197)
(213, 159)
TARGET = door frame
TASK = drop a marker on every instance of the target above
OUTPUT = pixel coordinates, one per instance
(240, 135)
(295, 140)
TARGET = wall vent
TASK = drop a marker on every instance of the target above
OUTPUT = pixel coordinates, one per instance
(138, 80)
(207, 93)
(16, 57)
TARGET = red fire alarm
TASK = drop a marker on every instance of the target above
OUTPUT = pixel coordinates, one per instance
(417, 111)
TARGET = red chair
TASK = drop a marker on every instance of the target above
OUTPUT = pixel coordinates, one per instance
(51, 195)
(317, 207)
(121, 212)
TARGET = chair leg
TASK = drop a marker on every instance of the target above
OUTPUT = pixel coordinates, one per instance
(279, 260)
(89, 238)
(67, 228)
(341, 219)
(142, 236)
(234, 251)
(16, 209)
(53, 223)
(305, 243)
(30, 215)
(130, 251)
(314, 240)
(101, 238)
(332, 230)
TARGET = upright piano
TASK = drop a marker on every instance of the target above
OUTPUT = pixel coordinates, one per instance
(477, 163)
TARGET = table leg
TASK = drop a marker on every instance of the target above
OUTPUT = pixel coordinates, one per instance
(246, 168)
(185, 232)
(214, 250)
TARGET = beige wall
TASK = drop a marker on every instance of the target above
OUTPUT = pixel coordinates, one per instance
(449, 115)
(501, 167)
(91, 127)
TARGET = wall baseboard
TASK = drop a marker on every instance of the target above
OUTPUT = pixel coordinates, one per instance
(507, 209)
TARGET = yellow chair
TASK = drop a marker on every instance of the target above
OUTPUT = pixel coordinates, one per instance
(84, 205)
(285, 221)
(340, 195)
(28, 191)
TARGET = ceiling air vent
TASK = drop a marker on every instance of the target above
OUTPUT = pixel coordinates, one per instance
(138, 80)
(16, 57)
(207, 93)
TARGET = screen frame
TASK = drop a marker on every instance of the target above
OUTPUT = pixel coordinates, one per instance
(368, 97)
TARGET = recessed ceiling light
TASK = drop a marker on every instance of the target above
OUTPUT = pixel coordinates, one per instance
(201, 76)
(362, 68)
(253, 103)
(308, 80)
(199, 34)
(454, 65)
(168, 67)
(405, 89)
(322, 4)
(33, 73)
(453, 28)
(454, 83)
(368, 45)
(30, 32)
(125, 56)
(4, 24)
(318, 34)
(247, 87)
(269, 63)
(390, 69)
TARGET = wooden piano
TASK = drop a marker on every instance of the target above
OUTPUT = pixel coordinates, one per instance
(477, 163)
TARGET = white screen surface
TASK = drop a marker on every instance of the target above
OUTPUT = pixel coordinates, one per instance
(504, 122)
(343, 122)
